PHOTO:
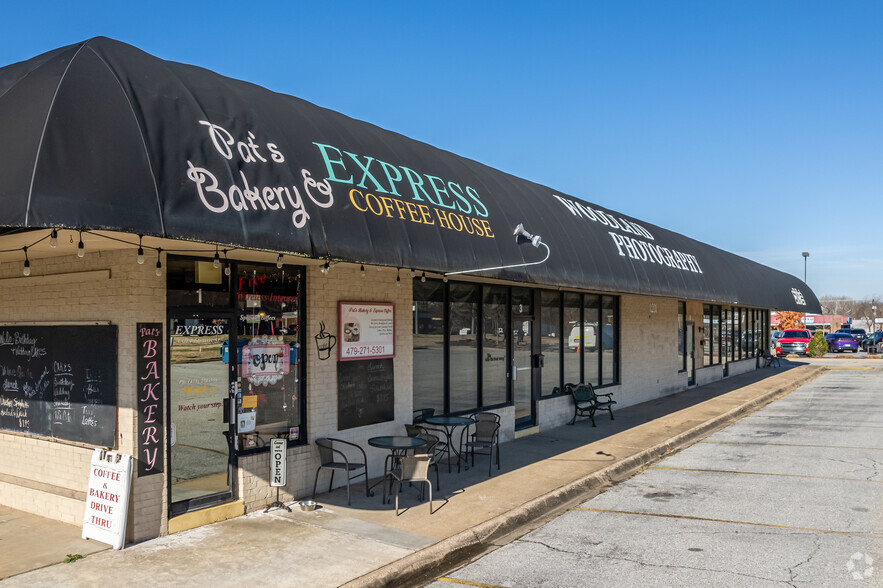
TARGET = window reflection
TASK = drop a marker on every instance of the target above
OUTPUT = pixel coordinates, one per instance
(429, 345)
(463, 342)
(494, 367)
(268, 353)
(550, 340)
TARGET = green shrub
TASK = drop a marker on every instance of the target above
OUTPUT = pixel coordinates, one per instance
(817, 345)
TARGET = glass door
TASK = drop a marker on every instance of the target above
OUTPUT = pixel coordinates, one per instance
(201, 368)
(522, 373)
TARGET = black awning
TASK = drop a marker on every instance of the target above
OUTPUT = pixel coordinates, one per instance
(101, 135)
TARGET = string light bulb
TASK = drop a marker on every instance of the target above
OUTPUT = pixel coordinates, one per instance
(216, 262)
(81, 249)
(362, 270)
(423, 277)
(158, 262)
(325, 268)
(140, 251)
(413, 273)
(279, 261)
(226, 264)
(398, 279)
(53, 238)
(27, 268)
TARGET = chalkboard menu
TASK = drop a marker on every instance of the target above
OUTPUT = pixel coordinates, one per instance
(365, 392)
(60, 382)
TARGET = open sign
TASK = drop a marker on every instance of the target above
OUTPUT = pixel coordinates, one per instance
(265, 360)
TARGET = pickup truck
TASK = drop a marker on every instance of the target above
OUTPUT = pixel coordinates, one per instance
(793, 341)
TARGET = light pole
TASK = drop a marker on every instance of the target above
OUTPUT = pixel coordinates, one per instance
(805, 254)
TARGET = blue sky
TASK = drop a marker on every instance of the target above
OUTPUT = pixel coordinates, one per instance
(756, 127)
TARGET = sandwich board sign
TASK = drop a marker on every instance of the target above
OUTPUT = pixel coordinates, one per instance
(277, 462)
(107, 500)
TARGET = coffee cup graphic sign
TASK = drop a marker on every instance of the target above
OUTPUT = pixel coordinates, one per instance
(366, 330)
(325, 342)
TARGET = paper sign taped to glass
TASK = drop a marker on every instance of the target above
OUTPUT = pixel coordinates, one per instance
(265, 360)
(246, 421)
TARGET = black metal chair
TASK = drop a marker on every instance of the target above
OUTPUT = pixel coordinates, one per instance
(420, 415)
(334, 459)
(484, 436)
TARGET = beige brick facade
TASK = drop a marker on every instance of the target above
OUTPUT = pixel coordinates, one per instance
(50, 477)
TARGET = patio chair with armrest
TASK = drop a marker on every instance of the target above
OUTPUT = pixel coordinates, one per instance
(483, 436)
(333, 457)
(420, 414)
(411, 468)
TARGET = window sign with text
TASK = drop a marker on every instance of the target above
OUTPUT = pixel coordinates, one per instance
(366, 330)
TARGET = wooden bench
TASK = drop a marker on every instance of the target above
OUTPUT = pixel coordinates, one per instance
(586, 402)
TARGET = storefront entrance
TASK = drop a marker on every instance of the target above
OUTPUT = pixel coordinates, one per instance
(201, 470)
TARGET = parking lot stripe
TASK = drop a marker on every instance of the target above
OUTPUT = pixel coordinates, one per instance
(709, 520)
(764, 474)
(837, 425)
(468, 583)
(791, 445)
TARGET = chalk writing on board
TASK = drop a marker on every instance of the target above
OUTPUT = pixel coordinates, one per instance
(59, 381)
(365, 392)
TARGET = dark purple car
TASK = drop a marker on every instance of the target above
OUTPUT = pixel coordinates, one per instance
(842, 342)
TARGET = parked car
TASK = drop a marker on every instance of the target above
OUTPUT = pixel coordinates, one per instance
(838, 342)
(774, 338)
(874, 340)
(793, 341)
(859, 334)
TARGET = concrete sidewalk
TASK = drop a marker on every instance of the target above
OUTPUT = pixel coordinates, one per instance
(366, 544)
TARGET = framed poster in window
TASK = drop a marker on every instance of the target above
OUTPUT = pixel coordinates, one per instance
(366, 330)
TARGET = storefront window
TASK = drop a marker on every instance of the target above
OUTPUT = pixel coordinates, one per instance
(593, 336)
(268, 353)
(737, 334)
(682, 349)
(550, 340)
(609, 343)
(463, 345)
(572, 325)
(196, 283)
(494, 367)
(744, 334)
(459, 367)
(716, 334)
(429, 345)
(706, 334)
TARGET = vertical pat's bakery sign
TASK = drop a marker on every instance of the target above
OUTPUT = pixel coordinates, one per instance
(371, 186)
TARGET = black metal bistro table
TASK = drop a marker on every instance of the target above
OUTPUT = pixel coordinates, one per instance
(398, 445)
(449, 423)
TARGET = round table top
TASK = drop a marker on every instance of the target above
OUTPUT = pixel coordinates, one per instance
(449, 420)
(396, 442)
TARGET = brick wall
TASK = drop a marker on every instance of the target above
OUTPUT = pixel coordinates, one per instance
(343, 283)
(48, 477)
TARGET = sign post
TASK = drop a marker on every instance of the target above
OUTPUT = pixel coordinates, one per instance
(107, 501)
(278, 470)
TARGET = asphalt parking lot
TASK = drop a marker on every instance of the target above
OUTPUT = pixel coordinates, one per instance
(789, 495)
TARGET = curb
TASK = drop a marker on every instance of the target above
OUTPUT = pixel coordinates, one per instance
(448, 552)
